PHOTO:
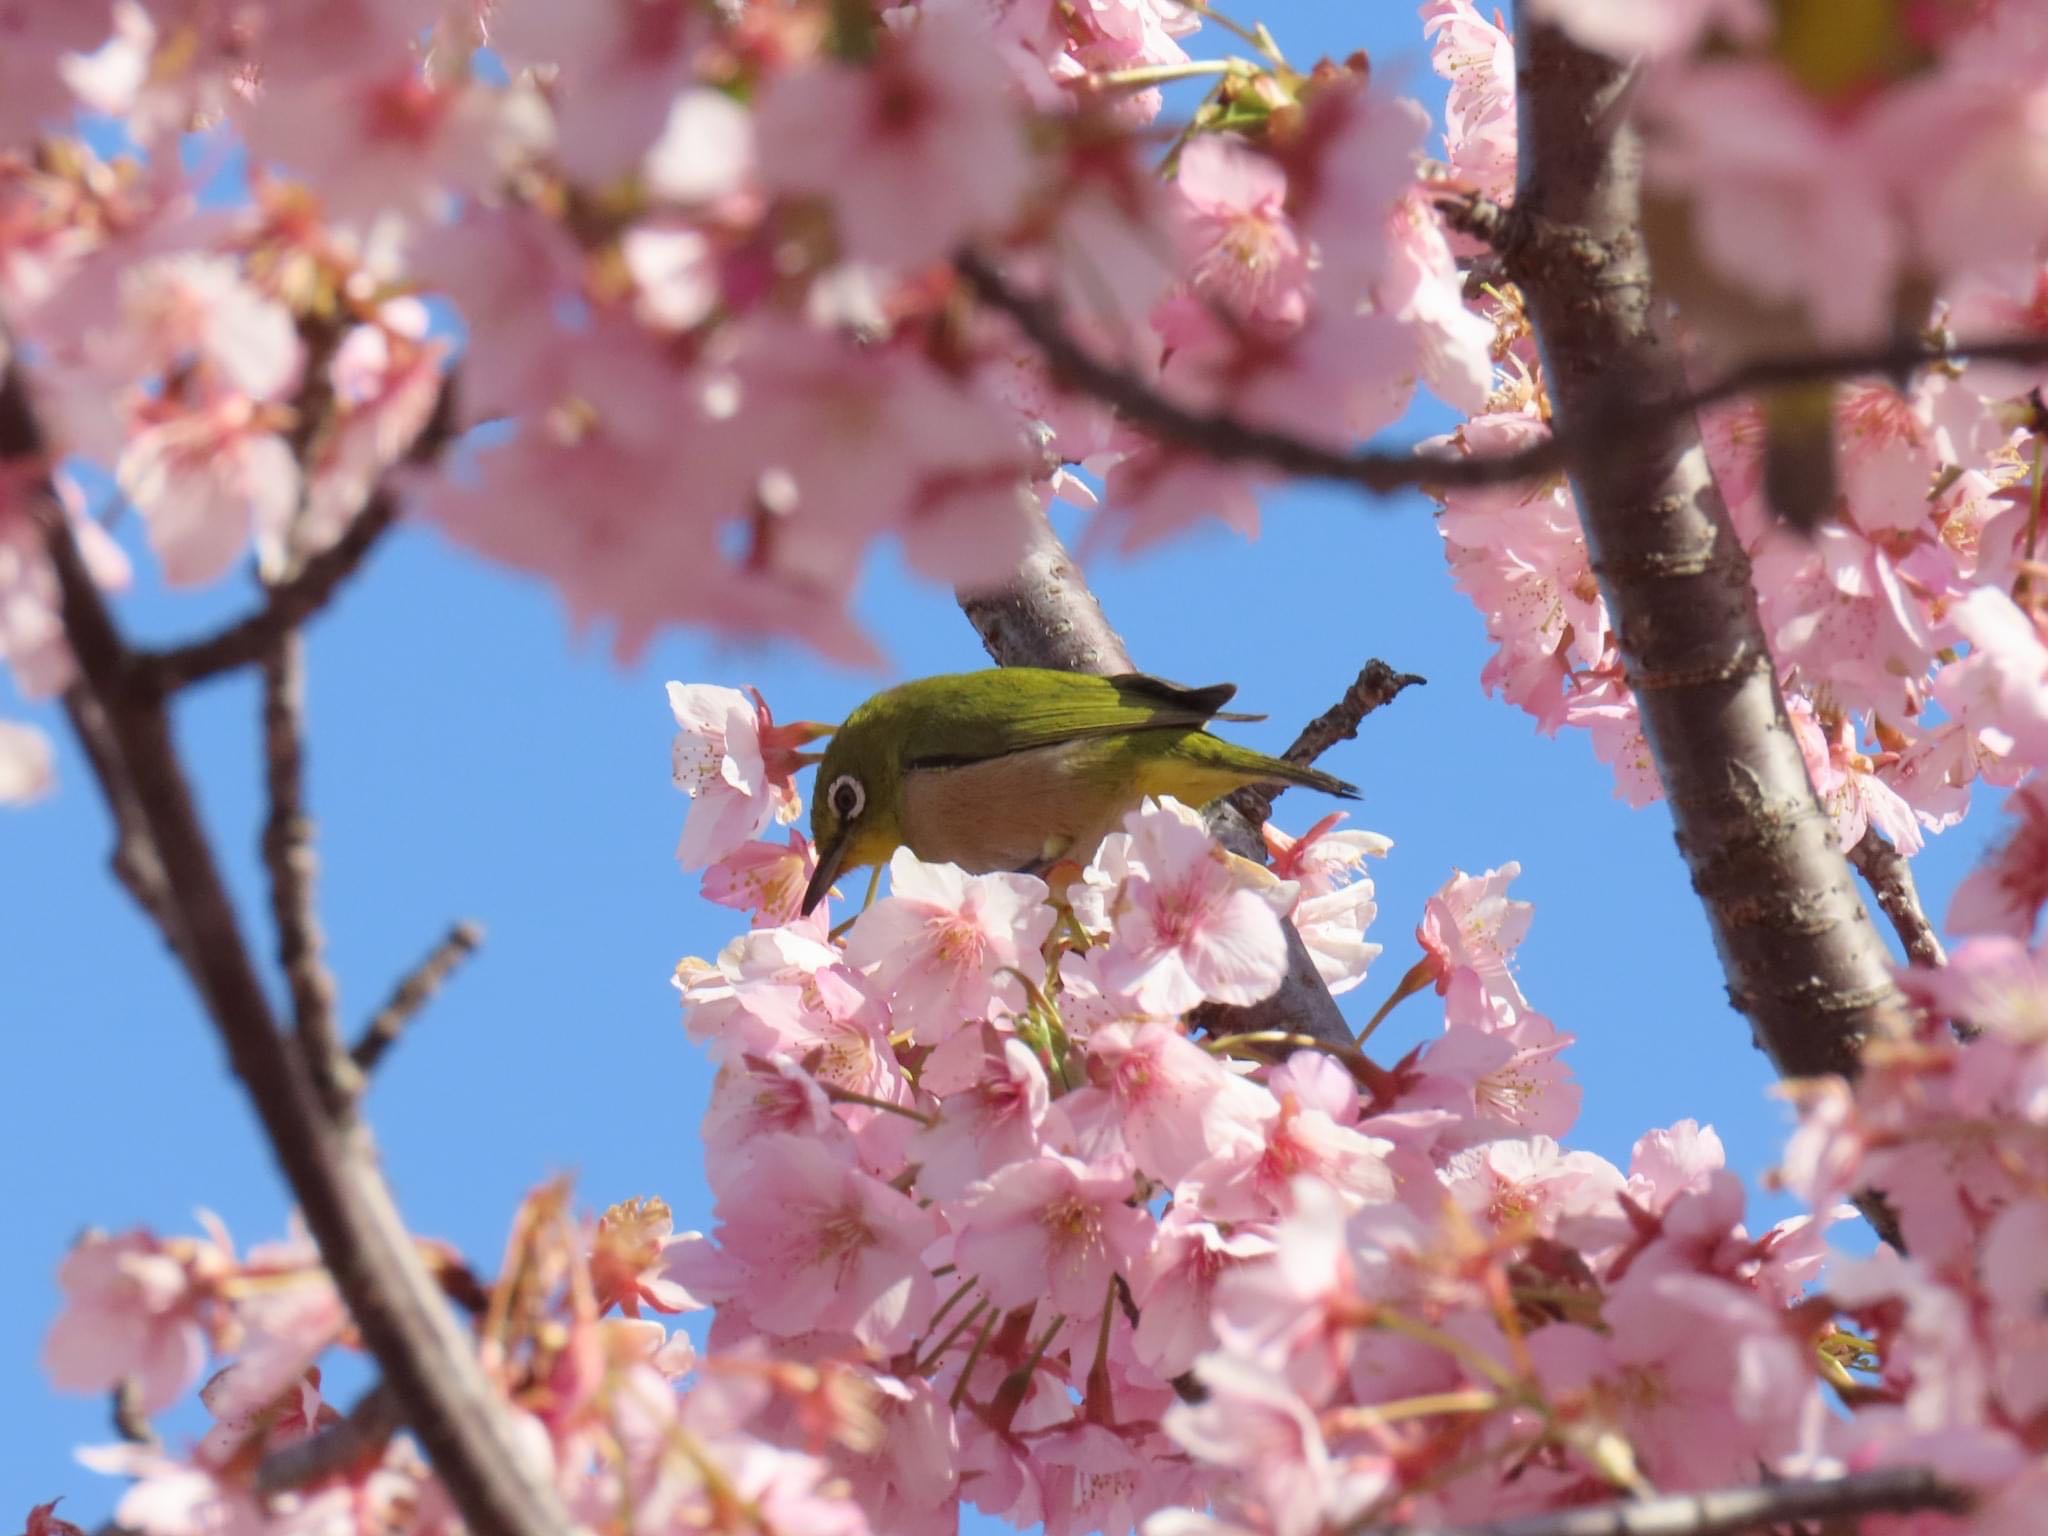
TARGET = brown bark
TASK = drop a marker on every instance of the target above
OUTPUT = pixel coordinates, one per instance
(1801, 956)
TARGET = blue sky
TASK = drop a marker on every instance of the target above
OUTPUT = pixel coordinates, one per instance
(471, 758)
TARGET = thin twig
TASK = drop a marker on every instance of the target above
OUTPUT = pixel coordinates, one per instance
(1222, 436)
(358, 1436)
(131, 1423)
(1889, 874)
(290, 863)
(1376, 684)
(1227, 438)
(1724, 1512)
(425, 1353)
(289, 605)
(414, 991)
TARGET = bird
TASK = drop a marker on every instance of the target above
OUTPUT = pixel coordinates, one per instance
(1016, 768)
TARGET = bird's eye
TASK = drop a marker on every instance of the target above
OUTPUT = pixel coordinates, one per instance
(846, 796)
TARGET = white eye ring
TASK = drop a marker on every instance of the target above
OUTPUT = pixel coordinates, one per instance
(847, 797)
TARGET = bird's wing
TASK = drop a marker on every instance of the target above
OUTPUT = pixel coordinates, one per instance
(956, 728)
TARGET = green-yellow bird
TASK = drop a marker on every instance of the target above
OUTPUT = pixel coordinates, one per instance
(1014, 768)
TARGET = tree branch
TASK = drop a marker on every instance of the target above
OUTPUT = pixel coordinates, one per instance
(1376, 684)
(1622, 407)
(1222, 436)
(414, 991)
(426, 1355)
(291, 864)
(359, 1436)
(289, 605)
(1727, 1511)
(1889, 874)
(1801, 957)
(1046, 617)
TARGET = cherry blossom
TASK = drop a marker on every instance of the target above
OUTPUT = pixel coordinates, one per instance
(735, 764)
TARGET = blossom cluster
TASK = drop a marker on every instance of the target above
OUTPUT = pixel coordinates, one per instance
(694, 265)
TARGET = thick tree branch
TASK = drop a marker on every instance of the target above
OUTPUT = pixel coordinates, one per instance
(414, 991)
(1046, 617)
(1725, 1512)
(1801, 957)
(425, 1354)
(1889, 874)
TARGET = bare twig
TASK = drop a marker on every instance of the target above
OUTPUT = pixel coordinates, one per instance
(1220, 435)
(1724, 1512)
(358, 1436)
(291, 864)
(130, 1422)
(1621, 409)
(414, 991)
(1801, 957)
(425, 1354)
(1889, 874)
(1376, 684)
(289, 605)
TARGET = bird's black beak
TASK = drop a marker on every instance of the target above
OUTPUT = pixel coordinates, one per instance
(830, 858)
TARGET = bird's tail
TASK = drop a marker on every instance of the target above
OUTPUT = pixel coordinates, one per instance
(1311, 778)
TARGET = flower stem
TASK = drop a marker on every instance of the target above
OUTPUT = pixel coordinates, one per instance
(1420, 975)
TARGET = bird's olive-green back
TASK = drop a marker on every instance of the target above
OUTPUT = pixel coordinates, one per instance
(968, 717)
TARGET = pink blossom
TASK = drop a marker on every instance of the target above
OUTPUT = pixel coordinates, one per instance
(705, 151)
(1836, 609)
(28, 767)
(208, 481)
(937, 944)
(2004, 893)
(1050, 1229)
(1478, 59)
(917, 149)
(1787, 201)
(2015, 1279)
(1667, 1163)
(2003, 683)
(1260, 1428)
(1470, 926)
(189, 309)
(133, 1307)
(1000, 1119)
(1605, 707)
(1992, 982)
(1419, 286)
(1176, 1281)
(1532, 1183)
(825, 1246)
(395, 140)
(1188, 929)
(1333, 927)
(619, 65)
(736, 765)
(35, 39)
(1848, 788)
(626, 1258)
(1697, 1373)
(1251, 1179)
(1175, 1103)
(1511, 1074)
(766, 880)
(1623, 27)
(1517, 552)
(1323, 859)
(1240, 248)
